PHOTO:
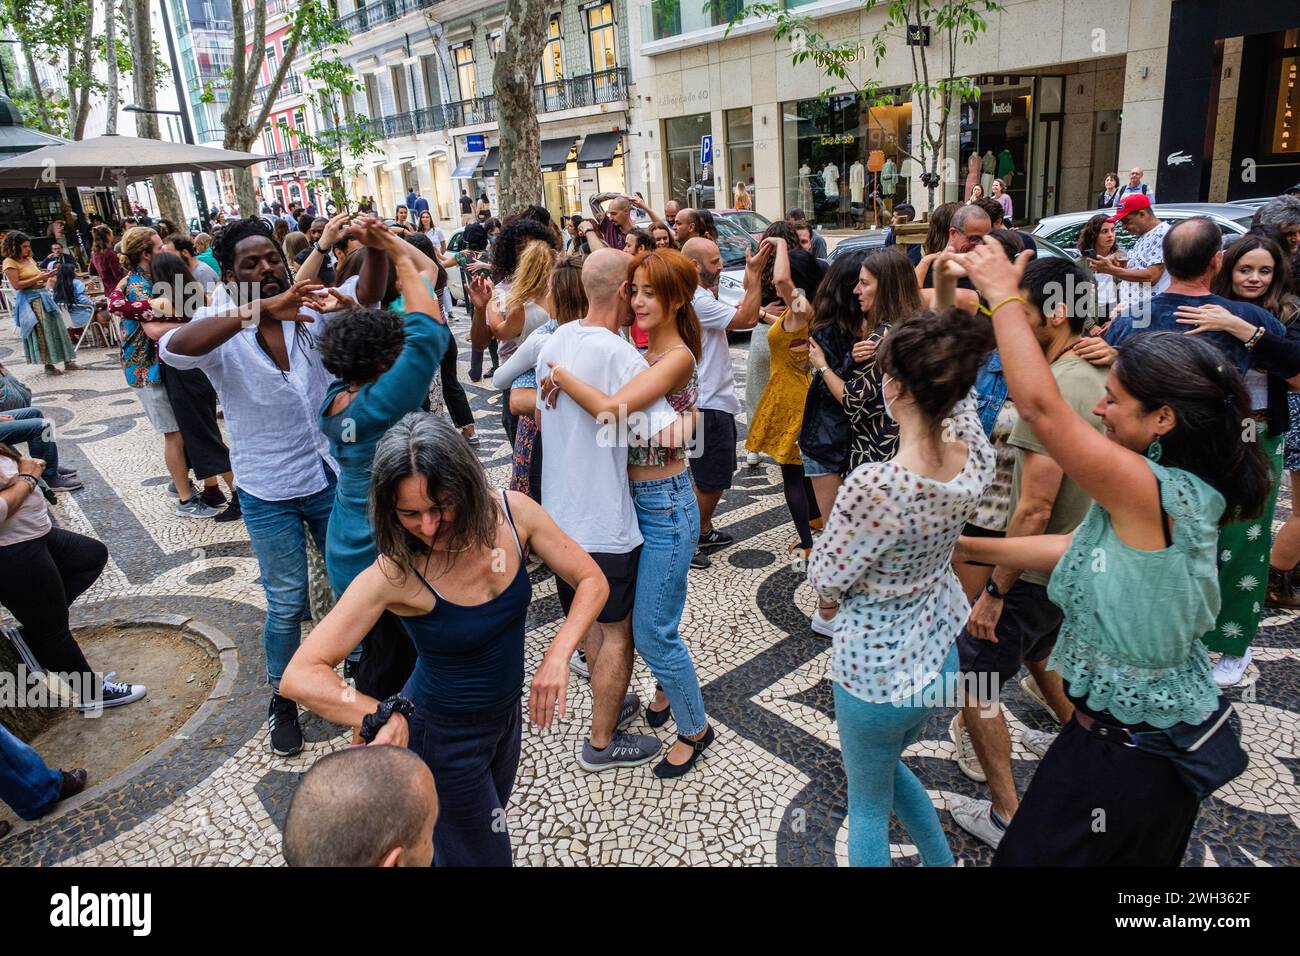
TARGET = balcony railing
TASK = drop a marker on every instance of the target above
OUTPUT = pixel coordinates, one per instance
(289, 86)
(382, 11)
(293, 159)
(607, 86)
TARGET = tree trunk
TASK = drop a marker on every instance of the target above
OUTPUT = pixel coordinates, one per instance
(146, 124)
(42, 107)
(524, 30)
(87, 71)
(110, 43)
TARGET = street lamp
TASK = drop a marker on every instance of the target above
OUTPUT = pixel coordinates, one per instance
(199, 193)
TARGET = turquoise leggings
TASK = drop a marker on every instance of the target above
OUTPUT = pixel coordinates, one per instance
(872, 739)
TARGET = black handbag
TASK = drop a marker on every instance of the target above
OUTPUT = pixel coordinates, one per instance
(1205, 755)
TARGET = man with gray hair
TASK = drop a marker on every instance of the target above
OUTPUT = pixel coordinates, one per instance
(585, 489)
(363, 806)
(1283, 214)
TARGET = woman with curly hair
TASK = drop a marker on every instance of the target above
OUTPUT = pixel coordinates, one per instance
(382, 366)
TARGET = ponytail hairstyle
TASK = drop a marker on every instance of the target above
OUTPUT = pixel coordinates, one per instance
(674, 279)
(1209, 401)
(65, 293)
(568, 297)
(137, 242)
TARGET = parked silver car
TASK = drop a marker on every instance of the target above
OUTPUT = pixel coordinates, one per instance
(1063, 230)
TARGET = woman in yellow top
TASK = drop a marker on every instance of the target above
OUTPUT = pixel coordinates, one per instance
(774, 430)
(37, 315)
(740, 196)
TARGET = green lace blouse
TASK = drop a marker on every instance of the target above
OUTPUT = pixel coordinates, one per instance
(1130, 642)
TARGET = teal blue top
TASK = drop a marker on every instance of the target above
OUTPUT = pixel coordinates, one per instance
(354, 432)
(1130, 643)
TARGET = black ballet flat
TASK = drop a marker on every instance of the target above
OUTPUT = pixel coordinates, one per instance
(657, 718)
(667, 771)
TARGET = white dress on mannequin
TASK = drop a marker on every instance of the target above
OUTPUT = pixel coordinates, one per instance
(805, 189)
(831, 180)
(888, 178)
(857, 181)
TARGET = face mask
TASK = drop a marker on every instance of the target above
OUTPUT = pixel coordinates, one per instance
(885, 382)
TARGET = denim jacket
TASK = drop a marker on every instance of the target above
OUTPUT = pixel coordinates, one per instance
(991, 392)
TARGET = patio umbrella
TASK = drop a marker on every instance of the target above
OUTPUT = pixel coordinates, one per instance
(110, 160)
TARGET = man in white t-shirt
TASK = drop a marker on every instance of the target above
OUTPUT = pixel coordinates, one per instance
(1142, 275)
(585, 489)
(713, 468)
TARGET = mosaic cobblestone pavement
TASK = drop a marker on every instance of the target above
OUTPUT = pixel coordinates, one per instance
(770, 791)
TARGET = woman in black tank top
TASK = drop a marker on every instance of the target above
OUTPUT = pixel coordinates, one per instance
(453, 567)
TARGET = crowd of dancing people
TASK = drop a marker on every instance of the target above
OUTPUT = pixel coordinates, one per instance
(990, 460)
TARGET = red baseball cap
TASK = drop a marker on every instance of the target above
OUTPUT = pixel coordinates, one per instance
(1130, 204)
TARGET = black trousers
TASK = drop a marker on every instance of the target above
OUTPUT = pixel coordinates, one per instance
(1097, 802)
(453, 393)
(39, 579)
(194, 403)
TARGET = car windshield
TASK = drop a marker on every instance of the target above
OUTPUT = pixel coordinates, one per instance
(732, 243)
(749, 221)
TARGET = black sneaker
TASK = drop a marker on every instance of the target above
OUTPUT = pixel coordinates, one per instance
(699, 562)
(67, 471)
(232, 511)
(713, 539)
(475, 365)
(212, 497)
(114, 694)
(286, 732)
(63, 482)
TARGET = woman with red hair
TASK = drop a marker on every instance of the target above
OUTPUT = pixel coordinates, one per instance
(660, 285)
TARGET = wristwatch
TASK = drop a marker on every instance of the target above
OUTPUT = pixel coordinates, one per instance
(323, 252)
(34, 482)
(822, 370)
(992, 591)
(397, 704)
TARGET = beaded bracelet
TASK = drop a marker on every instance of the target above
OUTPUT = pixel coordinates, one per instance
(1255, 337)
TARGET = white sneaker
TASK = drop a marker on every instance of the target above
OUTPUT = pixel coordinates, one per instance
(820, 625)
(578, 664)
(1037, 741)
(1035, 693)
(751, 459)
(1230, 670)
(967, 761)
(976, 818)
(115, 694)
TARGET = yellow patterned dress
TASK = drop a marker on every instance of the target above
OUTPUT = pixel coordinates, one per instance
(777, 419)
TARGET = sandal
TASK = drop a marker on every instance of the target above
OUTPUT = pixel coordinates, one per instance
(667, 771)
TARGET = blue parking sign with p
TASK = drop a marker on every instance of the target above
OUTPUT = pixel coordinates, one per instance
(706, 150)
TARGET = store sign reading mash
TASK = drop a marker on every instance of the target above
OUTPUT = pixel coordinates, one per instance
(1002, 109)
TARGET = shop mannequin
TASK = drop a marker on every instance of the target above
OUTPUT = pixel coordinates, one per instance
(831, 181)
(973, 168)
(889, 179)
(989, 167)
(805, 190)
(1006, 166)
(857, 187)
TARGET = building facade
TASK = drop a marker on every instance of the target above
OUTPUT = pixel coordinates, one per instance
(1068, 93)
(427, 98)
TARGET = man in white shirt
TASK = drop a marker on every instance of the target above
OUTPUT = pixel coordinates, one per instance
(713, 468)
(585, 489)
(259, 349)
(1140, 273)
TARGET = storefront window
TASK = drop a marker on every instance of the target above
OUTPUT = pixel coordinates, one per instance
(829, 147)
(600, 29)
(995, 142)
(1286, 109)
(740, 156)
(690, 182)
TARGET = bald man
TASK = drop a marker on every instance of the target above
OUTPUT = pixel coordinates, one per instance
(585, 489)
(363, 806)
(713, 468)
(613, 220)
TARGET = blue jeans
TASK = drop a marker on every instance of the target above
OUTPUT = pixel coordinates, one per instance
(30, 426)
(26, 783)
(670, 524)
(276, 532)
(872, 740)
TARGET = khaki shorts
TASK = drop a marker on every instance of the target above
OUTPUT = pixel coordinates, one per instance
(158, 408)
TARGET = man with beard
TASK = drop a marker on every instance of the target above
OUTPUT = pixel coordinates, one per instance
(258, 345)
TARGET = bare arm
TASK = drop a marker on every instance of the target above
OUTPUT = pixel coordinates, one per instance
(507, 325)
(1040, 552)
(747, 312)
(1117, 479)
(654, 383)
(597, 203)
(39, 279)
